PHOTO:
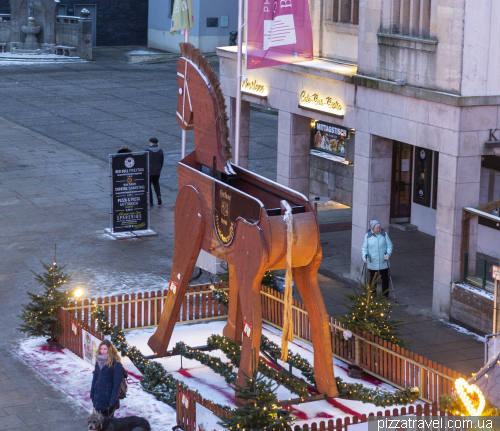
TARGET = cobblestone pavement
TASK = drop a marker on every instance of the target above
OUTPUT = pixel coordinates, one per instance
(58, 124)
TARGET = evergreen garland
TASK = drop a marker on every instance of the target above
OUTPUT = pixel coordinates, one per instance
(352, 391)
(221, 296)
(295, 360)
(154, 377)
(40, 315)
(214, 363)
(233, 352)
(260, 411)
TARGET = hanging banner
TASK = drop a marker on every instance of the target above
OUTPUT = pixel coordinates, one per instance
(90, 346)
(279, 32)
(130, 185)
(182, 15)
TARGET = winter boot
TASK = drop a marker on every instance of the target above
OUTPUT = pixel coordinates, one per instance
(159, 201)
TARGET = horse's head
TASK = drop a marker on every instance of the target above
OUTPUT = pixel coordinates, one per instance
(184, 103)
(200, 100)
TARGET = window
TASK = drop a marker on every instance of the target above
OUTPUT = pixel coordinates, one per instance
(411, 18)
(346, 11)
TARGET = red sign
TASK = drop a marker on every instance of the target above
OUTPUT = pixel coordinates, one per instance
(173, 286)
(247, 329)
(279, 32)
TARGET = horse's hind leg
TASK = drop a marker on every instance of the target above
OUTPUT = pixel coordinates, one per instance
(306, 278)
(188, 236)
(250, 262)
(234, 325)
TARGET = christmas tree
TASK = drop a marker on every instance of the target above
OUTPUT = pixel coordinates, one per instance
(258, 409)
(370, 311)
(40, 315)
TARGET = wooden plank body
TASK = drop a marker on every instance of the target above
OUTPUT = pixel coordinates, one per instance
(246, 211)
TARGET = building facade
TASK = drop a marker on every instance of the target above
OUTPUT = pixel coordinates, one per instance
(114, 23)
(410, 90)
(214, 21)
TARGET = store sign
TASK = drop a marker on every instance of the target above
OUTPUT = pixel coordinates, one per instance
(423, 177)
(130, 186)
(495, 272)
(329, 138)
(324, 104)
(254, 88)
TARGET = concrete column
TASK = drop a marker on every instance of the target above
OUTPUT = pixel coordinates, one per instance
(458, 187)
(85, 37)
(371, 191)
(294, 137)
(244, 128)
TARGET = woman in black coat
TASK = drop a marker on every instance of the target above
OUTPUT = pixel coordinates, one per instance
(106, 380)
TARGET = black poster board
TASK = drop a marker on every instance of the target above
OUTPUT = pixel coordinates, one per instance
(129, 174)
(423, 177)
(330, 138)
(435, 180)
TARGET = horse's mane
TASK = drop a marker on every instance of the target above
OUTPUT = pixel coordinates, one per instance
(191, 53)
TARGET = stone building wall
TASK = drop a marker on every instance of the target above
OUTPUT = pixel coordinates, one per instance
(118, 23)
(472, 308)
(331, 178)
(4, 31)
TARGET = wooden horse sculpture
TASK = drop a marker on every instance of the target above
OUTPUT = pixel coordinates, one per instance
(237, 216)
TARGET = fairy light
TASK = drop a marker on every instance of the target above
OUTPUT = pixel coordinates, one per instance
(464, 390)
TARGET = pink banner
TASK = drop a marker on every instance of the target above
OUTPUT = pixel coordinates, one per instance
(279, 32)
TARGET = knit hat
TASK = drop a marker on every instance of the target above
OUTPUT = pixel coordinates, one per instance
(374, 223)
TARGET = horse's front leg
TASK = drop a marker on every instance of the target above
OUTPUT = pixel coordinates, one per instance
(250, 263)
(306, 278)
(234, 325)
(188, 235)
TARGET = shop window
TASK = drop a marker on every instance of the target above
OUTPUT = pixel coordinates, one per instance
(346, 11)
(411, 18)
(331, 138)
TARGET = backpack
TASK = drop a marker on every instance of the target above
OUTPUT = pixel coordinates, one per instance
(122, 393)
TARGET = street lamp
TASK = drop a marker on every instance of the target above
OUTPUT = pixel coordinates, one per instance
(78, 293)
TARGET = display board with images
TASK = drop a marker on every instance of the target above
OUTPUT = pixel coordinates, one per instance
(129, 174)
(423, 176)
(330, 138)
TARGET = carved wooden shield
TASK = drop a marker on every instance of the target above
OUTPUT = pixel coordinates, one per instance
(230, 205)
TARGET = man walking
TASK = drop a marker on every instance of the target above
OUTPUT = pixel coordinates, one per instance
(155, 165)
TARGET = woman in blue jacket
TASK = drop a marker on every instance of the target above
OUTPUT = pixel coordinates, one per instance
(106, 381)
(376, 251)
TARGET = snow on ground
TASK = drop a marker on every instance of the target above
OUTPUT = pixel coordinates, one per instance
(462, 330)
(73, 375)
(104, 282)
(142, 52)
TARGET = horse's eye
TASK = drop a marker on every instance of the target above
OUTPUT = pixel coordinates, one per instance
(180, 90)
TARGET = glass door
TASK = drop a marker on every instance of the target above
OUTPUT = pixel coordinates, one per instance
(402, 162)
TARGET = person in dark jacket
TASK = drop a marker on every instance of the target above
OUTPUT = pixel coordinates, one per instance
(376, 251)
(155, 165)
(106, 380)
(124, 149)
